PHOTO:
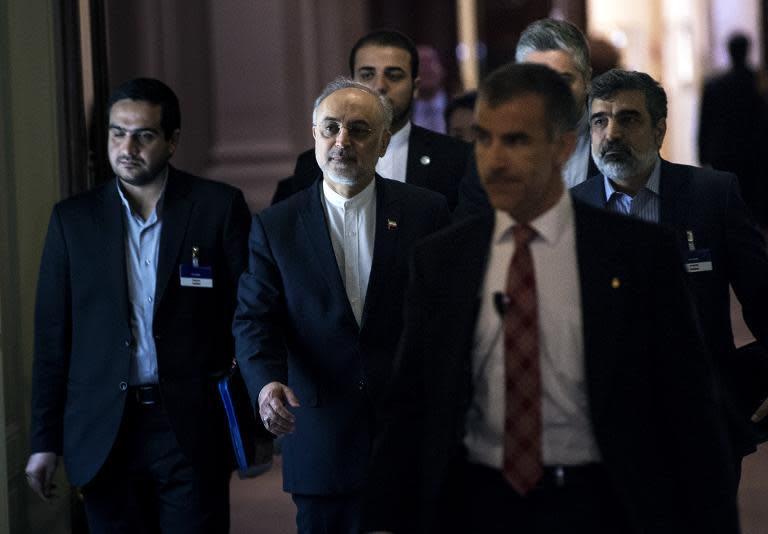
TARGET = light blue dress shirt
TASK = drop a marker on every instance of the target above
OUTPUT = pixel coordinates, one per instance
(644, 205)
(142, 246)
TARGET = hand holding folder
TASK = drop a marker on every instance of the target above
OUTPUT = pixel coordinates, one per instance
(252, 446)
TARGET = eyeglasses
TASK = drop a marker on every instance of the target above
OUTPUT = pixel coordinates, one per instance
(331, 129)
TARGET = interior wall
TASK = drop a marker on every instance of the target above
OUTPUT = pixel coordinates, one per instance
(246, 74)
(728, 17)
(679, 43)
(29, 170)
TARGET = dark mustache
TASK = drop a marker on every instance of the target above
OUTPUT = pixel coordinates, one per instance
(615, 146)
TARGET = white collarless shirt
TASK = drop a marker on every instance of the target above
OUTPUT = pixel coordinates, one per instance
(567, 432)
(351, 225)
(394, 163)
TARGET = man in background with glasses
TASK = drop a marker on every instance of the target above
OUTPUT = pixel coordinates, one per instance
(319, 307)
(388, 62)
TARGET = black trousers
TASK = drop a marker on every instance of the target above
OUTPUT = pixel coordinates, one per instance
(147, 485)
(480, 500)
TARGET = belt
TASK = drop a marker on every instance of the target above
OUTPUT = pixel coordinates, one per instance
(145, 395)
(561, 476)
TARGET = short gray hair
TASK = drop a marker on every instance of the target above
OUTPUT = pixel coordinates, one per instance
(515, 80)
(550, 34)
(605, 87)
(343, 82)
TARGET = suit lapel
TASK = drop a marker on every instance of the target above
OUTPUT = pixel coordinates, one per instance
(109, 219)
(419, 158)
(597, 310)
(175, 216)
(674, 196)
(385, 242)
(312, 215)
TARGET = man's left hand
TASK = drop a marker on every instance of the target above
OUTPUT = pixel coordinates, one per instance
(761, 412)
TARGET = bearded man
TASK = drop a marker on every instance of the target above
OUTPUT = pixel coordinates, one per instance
(718, 241)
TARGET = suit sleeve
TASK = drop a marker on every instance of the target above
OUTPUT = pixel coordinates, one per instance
(235, 239)
(259, 341)
(53, 335)
(748, 263)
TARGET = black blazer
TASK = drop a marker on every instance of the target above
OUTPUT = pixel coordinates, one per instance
(652, 403)
(708, 204)
(294, 324)
(83, 328)
(435, 161)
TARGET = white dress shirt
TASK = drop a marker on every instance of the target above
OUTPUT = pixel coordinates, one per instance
(351, 224)
(576, 168)
(567, 433)
(394, 163)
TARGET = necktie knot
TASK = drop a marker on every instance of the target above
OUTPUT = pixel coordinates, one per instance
(522, 234)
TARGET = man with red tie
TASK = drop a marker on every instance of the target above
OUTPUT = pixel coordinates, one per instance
(551, 377)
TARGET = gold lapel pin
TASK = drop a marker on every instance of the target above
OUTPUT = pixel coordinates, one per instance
(615, 283)
(391, 225)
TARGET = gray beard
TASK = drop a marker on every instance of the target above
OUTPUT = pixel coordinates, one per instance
(622, 170)
(340, 178)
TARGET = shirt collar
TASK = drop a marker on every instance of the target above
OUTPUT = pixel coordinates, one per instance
(652, 184)
(359, 200)
(549, 226)
(400, 139)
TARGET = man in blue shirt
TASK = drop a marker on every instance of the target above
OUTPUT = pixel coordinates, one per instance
(135, 297)
(719, 244)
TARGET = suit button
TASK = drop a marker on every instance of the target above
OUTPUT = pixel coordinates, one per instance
(123, 386)
(361, 385)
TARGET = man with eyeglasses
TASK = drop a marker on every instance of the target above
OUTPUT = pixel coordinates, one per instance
(388, 62)
(319, 307)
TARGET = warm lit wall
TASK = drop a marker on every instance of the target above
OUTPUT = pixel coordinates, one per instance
(678, 42)
(29, 187)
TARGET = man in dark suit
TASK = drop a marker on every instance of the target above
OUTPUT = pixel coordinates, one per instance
(717, 240)
(387, 61)
(561, 46)
(550, 377)
(733, 127)
(135, 297)
(319, 307)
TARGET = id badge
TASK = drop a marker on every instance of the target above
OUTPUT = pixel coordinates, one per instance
(195, 275)
(698, 261)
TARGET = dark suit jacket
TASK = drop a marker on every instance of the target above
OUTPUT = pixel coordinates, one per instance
(435, 161)
(652, 402)
(708, 203)
(83, 327)
(294, 325)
